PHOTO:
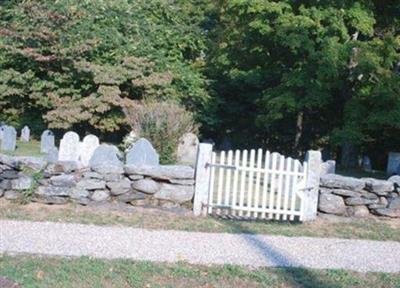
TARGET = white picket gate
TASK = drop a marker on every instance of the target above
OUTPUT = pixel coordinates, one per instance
(253, 184)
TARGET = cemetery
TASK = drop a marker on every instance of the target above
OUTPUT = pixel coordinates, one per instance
(199, 143)
(86, 171)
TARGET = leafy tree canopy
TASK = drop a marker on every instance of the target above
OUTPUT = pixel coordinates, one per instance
(308, 74)
(78, 63)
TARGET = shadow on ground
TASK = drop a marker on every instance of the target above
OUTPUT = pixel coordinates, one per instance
(288, 268)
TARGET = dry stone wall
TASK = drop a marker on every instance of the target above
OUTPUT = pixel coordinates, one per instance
(67, 181)
(348, 196)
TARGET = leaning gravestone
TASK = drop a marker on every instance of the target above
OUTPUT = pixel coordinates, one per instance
(142, 153)
(187, 149)
(25, 134)
(393, 163)
(106, 154)
(9, 141)
(87, 148)
(47, 141)
(69, 147)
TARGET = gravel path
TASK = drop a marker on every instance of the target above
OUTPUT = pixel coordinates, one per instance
(198, 248)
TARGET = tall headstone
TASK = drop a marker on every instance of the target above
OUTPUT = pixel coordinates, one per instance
(366, 164)
(187, 149)
(106, 154)
(87, 148)
(47, 141)
(142, 153)
(9, 141)
(2, 128)
(393, 164)
(69, 147)
(25, 134)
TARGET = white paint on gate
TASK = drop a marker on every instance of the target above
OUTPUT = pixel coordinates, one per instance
(264, 186)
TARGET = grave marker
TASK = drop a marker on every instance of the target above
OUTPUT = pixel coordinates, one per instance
(69, 147)
(142, 153)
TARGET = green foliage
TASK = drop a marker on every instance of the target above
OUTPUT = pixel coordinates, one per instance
(163, 124)
(79, 63)
(307, 74)
(28, 193)
(288, 75)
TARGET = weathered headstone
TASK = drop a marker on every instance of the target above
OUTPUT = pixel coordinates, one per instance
(393, 164)
(9, 141)
(226, 144)
(47, 141)
(106, 154)
(69, 147)
(187, 149)
(87, 148)
(328, 167)
(142, 153)
(25, 134)
(366, 164)
(2, 128)
(52, 155)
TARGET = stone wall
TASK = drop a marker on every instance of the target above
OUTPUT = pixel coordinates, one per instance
(66, 181)
(348, 196)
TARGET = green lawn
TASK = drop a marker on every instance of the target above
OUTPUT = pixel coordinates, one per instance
(31, 148)
(85, 272)
(156, 219)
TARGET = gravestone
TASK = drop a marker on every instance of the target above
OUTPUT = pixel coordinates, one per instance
(2, 127)
(366, 164)
(9, 141)
(87, 148)
(52, 155)
(47, 141)
(393, 165)
(187, 149)
(106, 154)
(142, 153)
(226, 144)
(328, 167)
(25, 134)
(69, 147)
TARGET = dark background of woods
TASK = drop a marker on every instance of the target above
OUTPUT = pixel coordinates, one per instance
(286, 75)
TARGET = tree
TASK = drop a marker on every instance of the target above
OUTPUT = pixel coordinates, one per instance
(79, 63)
(299, 73)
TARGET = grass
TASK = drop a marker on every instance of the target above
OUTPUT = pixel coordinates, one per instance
(85, 272)
(359, 173)
(31, 148)
(156, 219)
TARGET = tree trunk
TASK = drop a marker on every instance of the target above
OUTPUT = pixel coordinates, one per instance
(299, 132)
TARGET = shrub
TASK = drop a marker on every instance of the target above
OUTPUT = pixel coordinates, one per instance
(162, 123)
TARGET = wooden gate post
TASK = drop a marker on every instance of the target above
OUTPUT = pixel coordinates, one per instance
(314, 161)
(202, 185)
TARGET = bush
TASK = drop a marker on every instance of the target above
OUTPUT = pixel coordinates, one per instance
(162, 123)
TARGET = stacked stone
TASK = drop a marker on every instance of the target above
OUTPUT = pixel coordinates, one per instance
(105, 181)
(348, 196)
(13, 181)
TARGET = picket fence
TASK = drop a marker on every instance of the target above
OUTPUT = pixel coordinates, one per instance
(253, 184)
